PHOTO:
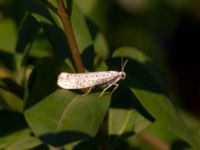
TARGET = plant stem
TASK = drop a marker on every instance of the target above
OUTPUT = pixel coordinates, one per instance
(66, 21)
(102, 139)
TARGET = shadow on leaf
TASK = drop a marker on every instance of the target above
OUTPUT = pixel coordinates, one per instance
(63, 138)
(140, 75)
(123, 98)
(11, 122)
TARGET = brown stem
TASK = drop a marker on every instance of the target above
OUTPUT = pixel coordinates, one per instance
(152, 140)
(102, 139)
(66, 21)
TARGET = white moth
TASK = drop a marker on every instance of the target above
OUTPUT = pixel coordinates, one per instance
(91, 79)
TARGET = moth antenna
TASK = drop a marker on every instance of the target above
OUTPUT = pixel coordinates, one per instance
(123, 65)
(122, 61)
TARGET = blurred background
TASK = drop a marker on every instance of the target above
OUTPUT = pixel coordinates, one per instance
(168, 31)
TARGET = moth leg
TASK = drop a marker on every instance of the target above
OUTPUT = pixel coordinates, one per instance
(109, 85)
(88, 91)
(116, 86)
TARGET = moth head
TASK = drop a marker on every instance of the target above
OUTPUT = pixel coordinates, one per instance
(123, 75)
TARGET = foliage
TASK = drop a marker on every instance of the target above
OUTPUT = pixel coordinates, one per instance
(35, 113)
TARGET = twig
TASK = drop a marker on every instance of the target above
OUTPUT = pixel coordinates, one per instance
(66, 21)
(102, 139)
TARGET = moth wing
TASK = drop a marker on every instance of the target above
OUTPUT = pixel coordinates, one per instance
(72, 81)
(84, 80)
(63, 80)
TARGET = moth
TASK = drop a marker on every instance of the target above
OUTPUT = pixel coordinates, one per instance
(91, 79)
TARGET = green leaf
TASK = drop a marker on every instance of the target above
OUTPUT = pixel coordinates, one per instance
(43, 79)
(126, 116)
(96, 11)
(10, 85)
(27, 33)
(52, 26)
(101, 50)
(149, 88)
(43, 11)
(10, 122)
(81, 31)
(8, 35)
(65, 117)
(83, 145)
(20, 140)
(29, 29)
(9, 101)
(31, 41)
(101, 45)
(143, 68)
(69, 5)
(164, 112)
(56, 37)
(44, 14)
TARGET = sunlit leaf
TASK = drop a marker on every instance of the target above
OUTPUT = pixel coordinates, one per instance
(80, 29)
(65, 117)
